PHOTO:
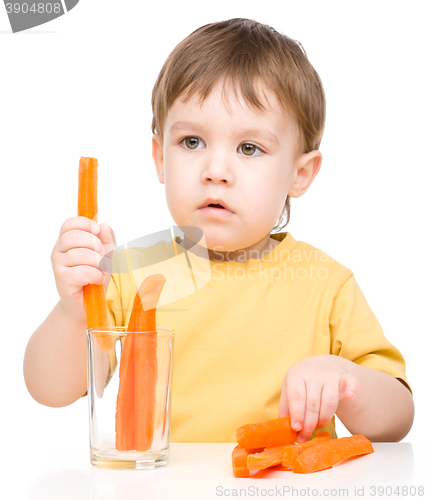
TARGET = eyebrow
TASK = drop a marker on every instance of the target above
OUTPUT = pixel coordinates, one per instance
(263, 134)
(253, 132)
(180, 125)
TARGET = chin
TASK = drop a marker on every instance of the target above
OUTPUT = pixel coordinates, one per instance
(211, 235)
(220, 243)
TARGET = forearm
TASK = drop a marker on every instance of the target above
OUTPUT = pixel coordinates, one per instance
(55, 366)
(383, 409)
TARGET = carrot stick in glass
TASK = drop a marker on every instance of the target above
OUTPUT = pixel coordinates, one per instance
(125, 412)
(94, 295)
(139, 371)
(146, 375)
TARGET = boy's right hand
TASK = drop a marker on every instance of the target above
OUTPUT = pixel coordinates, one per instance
(75, 260)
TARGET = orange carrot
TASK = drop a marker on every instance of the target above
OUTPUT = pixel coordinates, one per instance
(138, 371)
(267, 458)
(125, 412)
(94, 295)
(146, 374)
(239, 461)
(266, 434)
(328, 453)
(278, 454)
(292, 452)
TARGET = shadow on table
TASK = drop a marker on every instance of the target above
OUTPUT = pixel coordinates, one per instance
(101, 484)
(129, 484)
(65, 484)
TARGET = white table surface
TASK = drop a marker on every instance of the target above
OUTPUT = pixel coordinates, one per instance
(203, 471)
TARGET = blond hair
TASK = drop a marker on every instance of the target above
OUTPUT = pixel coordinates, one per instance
(242, 52)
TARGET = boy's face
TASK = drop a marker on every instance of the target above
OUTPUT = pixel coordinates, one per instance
(228, 152)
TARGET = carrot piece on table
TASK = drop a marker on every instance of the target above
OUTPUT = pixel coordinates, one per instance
(239, 461)
(282, 454)
(267, 458)
(266, 434)
(94, 295)
(328, 453)
(292, 452)
(138, 371)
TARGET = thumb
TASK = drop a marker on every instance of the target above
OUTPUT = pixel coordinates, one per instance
(348, 386)
(107, 236)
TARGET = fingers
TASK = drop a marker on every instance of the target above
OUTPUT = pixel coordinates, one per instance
(296, 396)
(82, 223)
(81, 256)
(329, 402)
(76, 238)
(103, 232)
(80, 276)
(77, 257)
(313, 407)
(311, 400)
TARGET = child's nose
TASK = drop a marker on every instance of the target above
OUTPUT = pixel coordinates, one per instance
(218, 169)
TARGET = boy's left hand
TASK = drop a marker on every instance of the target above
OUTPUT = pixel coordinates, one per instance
(311, 392)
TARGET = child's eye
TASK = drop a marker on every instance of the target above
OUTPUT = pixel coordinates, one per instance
(191, 142)
(250, 149)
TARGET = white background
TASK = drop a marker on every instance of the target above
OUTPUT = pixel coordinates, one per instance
(81, 86)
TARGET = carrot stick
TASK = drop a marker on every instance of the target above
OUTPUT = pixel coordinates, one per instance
(292, 452)
(328, 453)
(146, 375)
(282, 454)
(94, 295)
(138, 371)
(239, 461)
(267, 458)
(145, 352)
(125, 413)
(266, 434)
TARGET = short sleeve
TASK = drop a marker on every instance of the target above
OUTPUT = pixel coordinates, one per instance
(356, 333)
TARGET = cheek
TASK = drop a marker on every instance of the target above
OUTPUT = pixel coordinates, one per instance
(266, 195)
(174, 193)
(178, 190)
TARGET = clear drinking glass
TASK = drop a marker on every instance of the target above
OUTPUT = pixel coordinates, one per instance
(147, 386)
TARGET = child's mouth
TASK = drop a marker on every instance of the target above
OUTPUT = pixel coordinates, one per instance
(216, 210)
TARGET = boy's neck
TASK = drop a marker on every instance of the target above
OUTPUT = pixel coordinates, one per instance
(257, 251)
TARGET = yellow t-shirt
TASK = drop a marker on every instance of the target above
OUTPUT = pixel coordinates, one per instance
(246, 324)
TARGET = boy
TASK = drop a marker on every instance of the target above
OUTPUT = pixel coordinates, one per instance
(238, 117)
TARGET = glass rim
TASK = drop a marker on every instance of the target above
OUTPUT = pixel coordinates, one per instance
(122, 331)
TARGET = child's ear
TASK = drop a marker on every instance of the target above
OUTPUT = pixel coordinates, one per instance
(157, 155)
(306, 168)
